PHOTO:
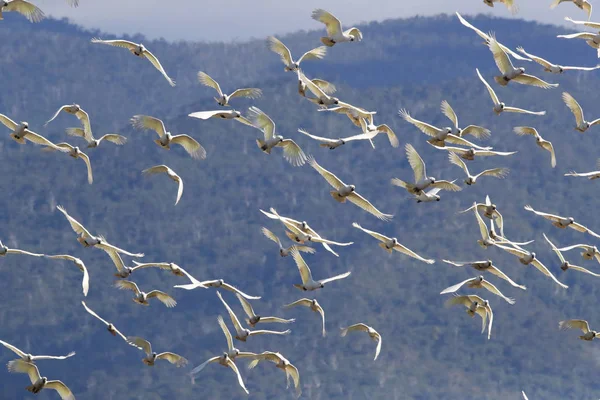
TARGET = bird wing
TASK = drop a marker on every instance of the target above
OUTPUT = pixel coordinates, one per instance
(13, 348)
(335, 278)
(500, 57)
(226, 333)
(489, 89)
(446, 185)
(9, 123)
(490, 286)
(448, 111)
(416, 163)
(326, 87)
(55, 114)
(546, 145)
(551, 217)
(127, 285)
(84, 118)
(581, 269)
(204, 364)
(575, 246)
(454, 288)
(575, 324)
(580, 35)
(495, 172)
(277, 320)
(233, 289)
(251, 93)
(305, 273)
(378, 348)
(302, 302)
(314, 54)
(456, 160)
(422, 126)
(88, 164)
(157, 169)
(463, 142)
(204, 115)
(356, 327)
(163, 297)
(565, 68)
(263, 122)
(206, 80)
(141, 343)
(495, 271)
(90, 311)
(542, 268)
(538, 60)
(278, 47)
(246, 306)
(574, 107)
(117, 260)
(234, 318)
(483, 230)
(271, 236)
(76, 226)
(313, 87)
(109, 247)
(292, 152)
(363, 203)
(114, 138)
(29, 10)
(403, 249)
(268, 332)
(310, 250)
(23, 252)
(525, 130)
(232, 365)
(332, 24)
(526, 79)
(150, 57)
(173, 358)
(319, 138)
(21, 366)
(484, 153)
(148, 122)
(39, 139)
(376, 235)
(190, 145)
(478, 132)
(118, 43)
(468, 25)
(62, 389)
(329, 177)
(522, 111)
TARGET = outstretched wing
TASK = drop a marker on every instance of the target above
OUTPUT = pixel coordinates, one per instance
(366, 205)
(150, 57)
(206, 80)
(329, 177)
(574, 107)
(190, 145)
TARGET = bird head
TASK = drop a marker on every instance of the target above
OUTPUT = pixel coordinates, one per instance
(480, 278)
(469, 181)
(560, 70)
(221, 282)
(571, 220)
(25, 124)
(532, 255)
(352, 188)
(587, 124)
(322, 286)
(431, 180)
(448, 130)
(279, 138)
(44, 380)
(336, 100)
(488, 263)
(502, 105)
(395, 241)
(521, 70)
(437, 197)
(304, 225)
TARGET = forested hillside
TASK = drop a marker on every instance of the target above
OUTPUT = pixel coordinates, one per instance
(214, 232)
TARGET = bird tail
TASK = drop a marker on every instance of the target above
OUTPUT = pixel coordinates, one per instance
(437, 142)
(327, 41)
(337, 196)
(298, 286)
(343, 332)
(382, 245)
(263, 146)
(81, 240)
(30, 388)
(17, 139)
(293, 237)
(500, 80)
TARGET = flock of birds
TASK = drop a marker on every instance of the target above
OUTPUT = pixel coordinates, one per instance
(423, 187)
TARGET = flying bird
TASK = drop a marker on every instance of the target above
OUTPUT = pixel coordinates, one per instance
(508, 70)
(313, 305)
(76, 110)
(167, 266)
(85, 283)
(225, 361)
(143, 297)
(222, 114)
(223, 99)
(92, 142)
(283, 251)
(429, 196)
(190, 145)
(584, 5)
(373, 334)
(490, 211)
(254, 319)
(37, 381)
(140, 51)
(590, 175)
(278, 47)
(486, 39)
(588, 334)
(540, 141)
(500, 107)
(510, 4)
(308, 283)
(390, 244)
(31, 358)
(4, 250)
(243, 333)
(159, 169)
(20, 133)
(291, 151)
(439, 137)
(562, 222)
(152, 356)
(23, 7)
(555, 68)
(86, 239)
(565, 265)
(109, 326)
(499, 173)
(475, 305)
(488, 266)
(74, 152)
(422, 181)
(369, 128)
(217, 283)
(592, 39)
(282, 363)
(478, 283)
(321, 97)
(526, 257)
(589, 252)
(332, 144)
(345, 192)
(335, 33)
(352, 112)
(478, 132)
(581, 124)
(327, 87)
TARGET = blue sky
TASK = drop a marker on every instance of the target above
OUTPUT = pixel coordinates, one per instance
(211, 20)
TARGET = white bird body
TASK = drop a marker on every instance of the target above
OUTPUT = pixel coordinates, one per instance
(139, 50)
(314, 306)
(308, 283)
(152, 356)
(191, 146)
(335, 33)
(428, 196)
(475, 130)
(282, 363)
(485, 265)
(37, 381)
(472, 179)
(373, 334)
(478, 283)
(539, 140)
(143, 297)
(286, 56)
(92, 142)
(581, 124)
(223, 99)
(475, 305)
(562, 222)
(588, 334)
